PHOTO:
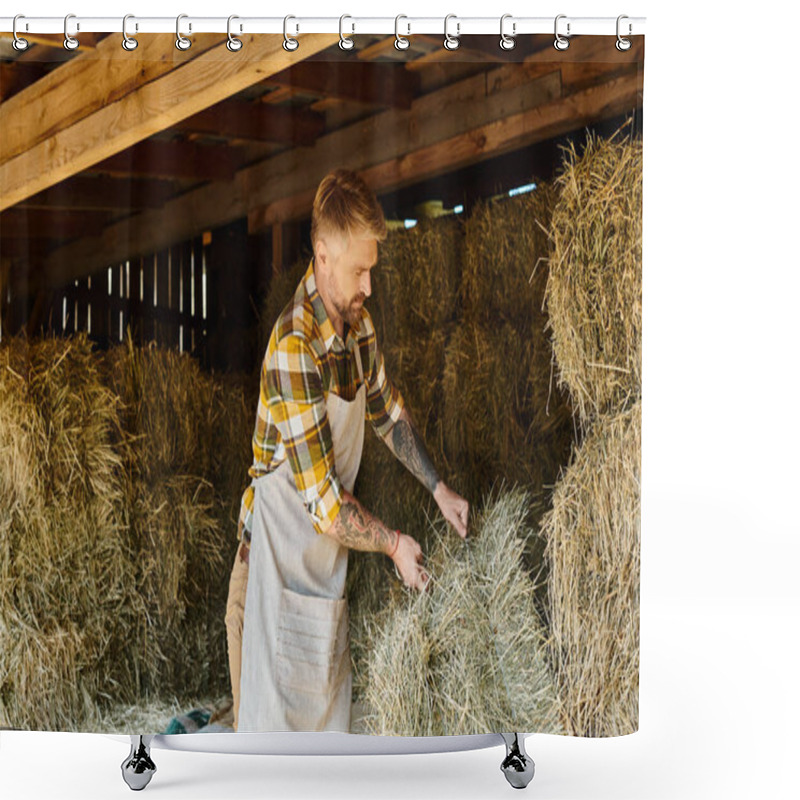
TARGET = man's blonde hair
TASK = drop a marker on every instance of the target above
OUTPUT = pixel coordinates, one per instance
(346, 206)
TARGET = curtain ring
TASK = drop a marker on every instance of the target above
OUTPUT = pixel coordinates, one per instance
(182, 43)
(70, 42)
(346, 43)
(128, 42)
(623, 44)
(19, 43)
(289, 43)
(400, 42)
(233, 44)
(561, 43)
(451, 42)
(507, 42)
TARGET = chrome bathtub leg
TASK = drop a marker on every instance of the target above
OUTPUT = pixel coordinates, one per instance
(517, 766)
(138, 767)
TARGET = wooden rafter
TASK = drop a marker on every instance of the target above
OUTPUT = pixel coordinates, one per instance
(351, 80)
(415, 145)
(147, 108)
(104, 192)
(173, 159)
(256, 122)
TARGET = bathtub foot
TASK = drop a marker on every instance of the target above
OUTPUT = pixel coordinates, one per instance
(517, 766)
(138, 767)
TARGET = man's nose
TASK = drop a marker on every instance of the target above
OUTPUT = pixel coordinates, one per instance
(366, 285)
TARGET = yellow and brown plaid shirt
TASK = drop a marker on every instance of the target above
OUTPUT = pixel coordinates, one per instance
(305, 360)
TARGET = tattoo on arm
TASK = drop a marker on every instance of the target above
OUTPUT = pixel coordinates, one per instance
(408, 446)
(355, 527)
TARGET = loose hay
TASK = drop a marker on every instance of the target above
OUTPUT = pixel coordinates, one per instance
(594, 288)
(468, 655)
(592, 539)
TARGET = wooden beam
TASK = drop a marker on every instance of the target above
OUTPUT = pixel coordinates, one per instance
(103, 192)
(353, 81)
(158, 158)
(256, 122)
(37, 223)
(512, 118)
(150, 107)
(85, 84)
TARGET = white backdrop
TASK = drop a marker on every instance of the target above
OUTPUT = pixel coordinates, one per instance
(720, 603)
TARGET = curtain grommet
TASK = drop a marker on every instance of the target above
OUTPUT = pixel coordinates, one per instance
(451, 42)
(233, 44)
(128, 42)
(70, 42)
(400, 42)
(507, 42)
(623, 44)
(18, 43)
(181, 42)
(345, 42)
(289, 44)
(561, 42)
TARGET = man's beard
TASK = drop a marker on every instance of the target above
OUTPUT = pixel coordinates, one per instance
(352, 314)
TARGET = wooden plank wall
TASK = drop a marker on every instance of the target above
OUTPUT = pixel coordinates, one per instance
(159, 296)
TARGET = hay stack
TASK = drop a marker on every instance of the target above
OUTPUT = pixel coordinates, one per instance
(64, 586)
(594, 291)
(180, 544)
(113, 552)
(468, 655)
(592, 539)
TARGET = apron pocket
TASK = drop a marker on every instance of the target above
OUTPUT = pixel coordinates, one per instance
(312, 642)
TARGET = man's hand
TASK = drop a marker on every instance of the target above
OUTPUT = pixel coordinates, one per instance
(454, 508)
(408, 560)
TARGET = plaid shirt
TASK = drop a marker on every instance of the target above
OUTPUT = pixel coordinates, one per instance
(305, 360)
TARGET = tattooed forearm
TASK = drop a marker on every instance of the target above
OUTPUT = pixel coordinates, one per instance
(355, 527)
(408, 446)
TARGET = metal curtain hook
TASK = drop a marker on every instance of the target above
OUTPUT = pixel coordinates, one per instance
(561, 43)
(70, 43)
(19, 43)
(182, 43)
(507, 42)
(233, 44)
(289, 43)
(346, 43)
(451, 42)
(400, 42)
(623, 44)
(128, 42)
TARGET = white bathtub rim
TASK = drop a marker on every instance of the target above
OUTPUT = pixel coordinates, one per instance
(318, 743)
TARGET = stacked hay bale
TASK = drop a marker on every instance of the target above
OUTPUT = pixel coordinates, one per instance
(66, 599)
(504, 417)
(177, 420)
(115, 549)
(414, 307)
(592, 532)
(469, 654)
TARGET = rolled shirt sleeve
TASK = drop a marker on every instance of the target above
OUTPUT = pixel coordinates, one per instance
(384, 401)
(298, 408)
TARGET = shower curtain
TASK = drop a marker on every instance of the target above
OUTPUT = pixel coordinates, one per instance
(169, 347)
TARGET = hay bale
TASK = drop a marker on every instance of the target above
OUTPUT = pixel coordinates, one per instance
(505, 259)
(64, 570)
(114, 554)
(468, 655)
(281, 289)
(592, 539)
(594, 290)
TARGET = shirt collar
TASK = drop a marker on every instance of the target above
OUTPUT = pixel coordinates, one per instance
(327, 331)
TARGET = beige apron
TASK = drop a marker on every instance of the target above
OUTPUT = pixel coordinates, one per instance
(296, 673)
